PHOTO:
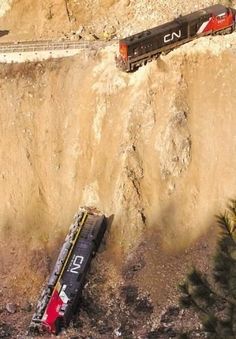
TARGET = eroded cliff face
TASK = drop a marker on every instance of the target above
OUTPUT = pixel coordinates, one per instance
(155, 149)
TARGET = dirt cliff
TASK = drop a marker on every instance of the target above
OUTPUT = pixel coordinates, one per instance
(155, 149)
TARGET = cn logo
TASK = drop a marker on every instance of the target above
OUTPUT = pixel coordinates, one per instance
(171, 36)
(76, 264)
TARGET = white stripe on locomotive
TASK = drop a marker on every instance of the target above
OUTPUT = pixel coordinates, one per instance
(63, 295)
(203, 26)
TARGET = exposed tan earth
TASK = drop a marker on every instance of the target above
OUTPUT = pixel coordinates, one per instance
(154, 150)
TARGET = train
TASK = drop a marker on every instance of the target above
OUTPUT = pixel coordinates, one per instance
(60, 297)
(138, 49)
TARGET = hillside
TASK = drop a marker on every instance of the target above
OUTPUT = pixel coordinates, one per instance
(154, 149)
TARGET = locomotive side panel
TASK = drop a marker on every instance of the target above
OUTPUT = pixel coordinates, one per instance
(78, 264)
(99, 231)
(74, 277)
(159, 40)
(197, 24)
(175, 33)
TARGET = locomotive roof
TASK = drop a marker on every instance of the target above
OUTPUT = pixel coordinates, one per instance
(215, 9)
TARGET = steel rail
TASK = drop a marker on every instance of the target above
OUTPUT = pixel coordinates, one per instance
(48, 45)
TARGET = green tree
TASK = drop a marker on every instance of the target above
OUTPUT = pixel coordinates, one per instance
(213, 296)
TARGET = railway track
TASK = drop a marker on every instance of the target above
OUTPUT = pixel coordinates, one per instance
(23, 51)
(48, 45)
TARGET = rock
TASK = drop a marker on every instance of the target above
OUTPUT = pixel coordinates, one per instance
(75, 37)
(171, 332)
(175, 146)
(5, 331)
(117, 332)
(136, 267)
(11, 308)
(80, 30)
(126, 3)
(104, 327)
(130, 294)
(110, 30)
(170, 315)
(89, 37)
(27, 307)
(144, 305)
(162, 332)
(72, 19)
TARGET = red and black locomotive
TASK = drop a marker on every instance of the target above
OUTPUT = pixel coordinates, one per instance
(140, 48)
(60, 297)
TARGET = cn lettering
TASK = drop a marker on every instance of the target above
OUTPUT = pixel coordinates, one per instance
(172, 36)
(76, 264)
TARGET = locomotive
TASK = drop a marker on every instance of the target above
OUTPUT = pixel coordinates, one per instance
(60, 297)
(138, 49)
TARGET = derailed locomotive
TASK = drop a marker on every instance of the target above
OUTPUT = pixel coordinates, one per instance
(140, 48)
(60, 297)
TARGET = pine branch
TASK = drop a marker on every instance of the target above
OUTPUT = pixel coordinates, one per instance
(224, 222)
(210, 324)
(222, 297)
(219, 321)
(232, 206)
(195, 278)
(233, 320)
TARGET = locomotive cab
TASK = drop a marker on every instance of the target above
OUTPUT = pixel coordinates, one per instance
(123, 51)
(122, 59)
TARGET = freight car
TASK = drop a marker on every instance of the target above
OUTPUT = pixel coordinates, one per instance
(140, 48)
(60, 297)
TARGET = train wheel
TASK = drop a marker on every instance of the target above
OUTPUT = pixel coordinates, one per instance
(134, 67)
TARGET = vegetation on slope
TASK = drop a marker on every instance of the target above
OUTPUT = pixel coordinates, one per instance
(214, 297)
